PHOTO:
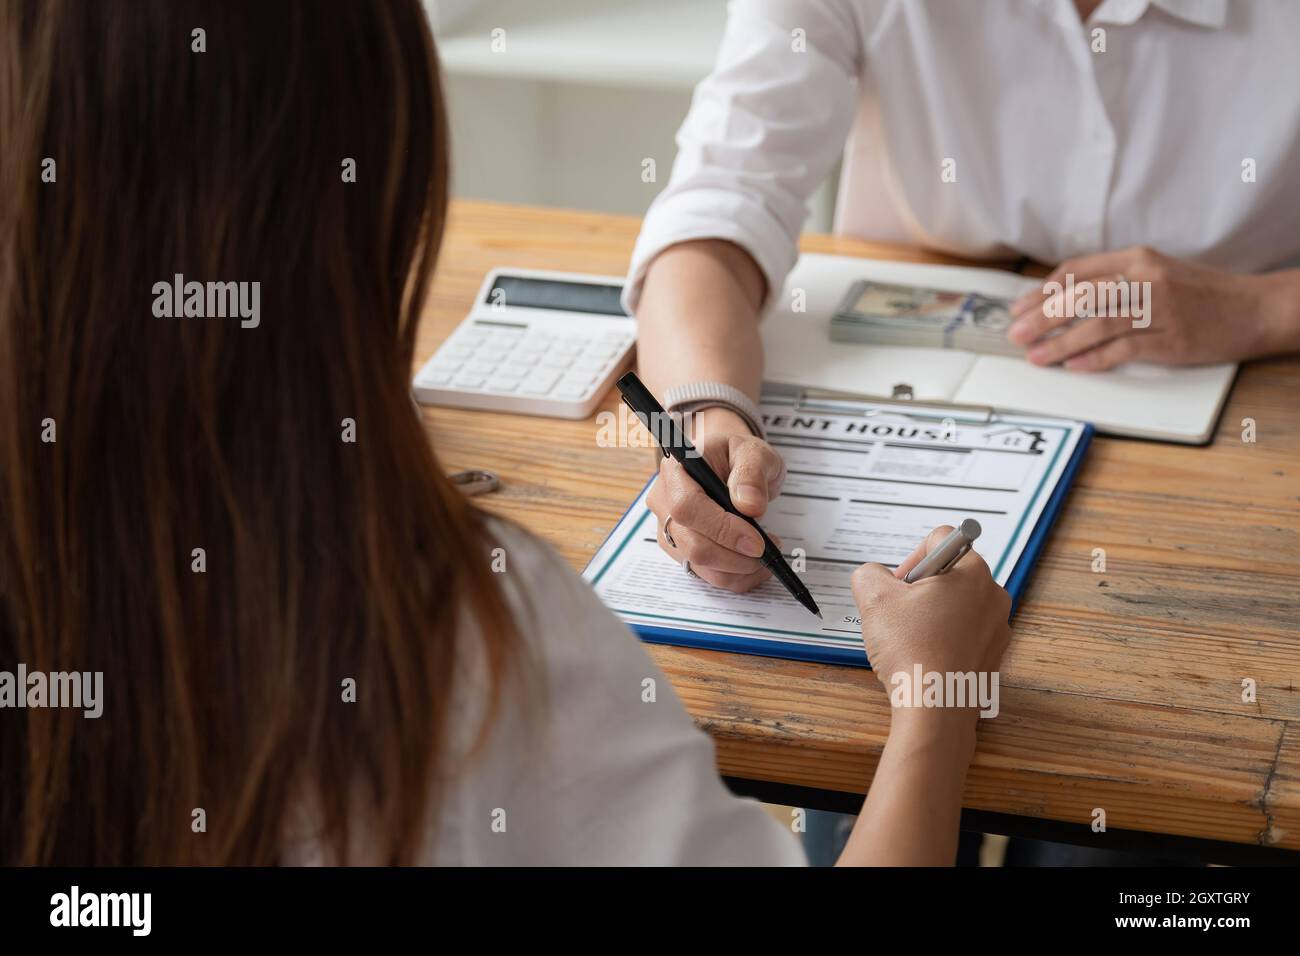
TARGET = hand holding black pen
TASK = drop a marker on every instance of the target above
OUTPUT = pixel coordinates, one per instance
(673, 442)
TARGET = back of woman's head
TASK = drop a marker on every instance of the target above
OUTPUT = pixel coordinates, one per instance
(217, 224)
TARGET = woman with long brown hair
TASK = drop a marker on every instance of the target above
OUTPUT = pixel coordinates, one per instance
(234, 516)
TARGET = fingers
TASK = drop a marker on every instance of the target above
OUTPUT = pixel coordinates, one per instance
(692, 509)
(1078, 338)
(722, 548)
(1032, 325)
(937, 536)
(871, 584)
(911, 561)
(1081, 267)
(932, 541)
(710, 562)
(705, 553)
(972, 563)
(868, 583)
(1110, 354)
(1041, 311)
(1056, 311)
(755, 475)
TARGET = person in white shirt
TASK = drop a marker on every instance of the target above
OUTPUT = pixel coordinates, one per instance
(1144, 140)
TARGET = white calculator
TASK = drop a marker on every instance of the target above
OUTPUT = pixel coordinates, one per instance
(540, 343)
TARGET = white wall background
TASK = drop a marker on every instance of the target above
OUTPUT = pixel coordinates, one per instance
(564, 104)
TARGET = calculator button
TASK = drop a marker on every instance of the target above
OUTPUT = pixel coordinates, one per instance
(468, 380)
(480, 368)
(567, 390)
(487, 354)
(516, 370)
(540, 384)
(503, 384)
(551, 360)
(578, 378)
(587, 363)
(433, 377)
(472, 336)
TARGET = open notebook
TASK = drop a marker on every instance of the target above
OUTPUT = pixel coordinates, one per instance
(1138, 400)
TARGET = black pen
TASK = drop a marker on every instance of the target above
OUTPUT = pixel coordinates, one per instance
(673, 441)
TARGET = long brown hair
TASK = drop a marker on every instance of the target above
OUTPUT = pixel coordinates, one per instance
(129, 441)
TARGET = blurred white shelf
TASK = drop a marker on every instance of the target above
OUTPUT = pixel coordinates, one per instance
(656, 44)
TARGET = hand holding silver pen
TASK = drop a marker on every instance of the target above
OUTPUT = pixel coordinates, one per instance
(948, 553)
(956, 624)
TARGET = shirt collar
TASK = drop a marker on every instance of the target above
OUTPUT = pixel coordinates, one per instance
(1205, 13)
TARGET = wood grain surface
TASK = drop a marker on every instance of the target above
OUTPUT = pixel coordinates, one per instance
(1122, 690)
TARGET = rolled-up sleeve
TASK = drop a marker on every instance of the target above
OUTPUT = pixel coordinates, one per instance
(764, 129)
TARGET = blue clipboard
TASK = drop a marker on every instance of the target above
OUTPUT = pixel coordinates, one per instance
(853, 657)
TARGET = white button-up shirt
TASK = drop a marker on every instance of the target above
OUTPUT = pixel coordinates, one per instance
(997, 128)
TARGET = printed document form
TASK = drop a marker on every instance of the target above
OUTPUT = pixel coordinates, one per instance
(865, 484)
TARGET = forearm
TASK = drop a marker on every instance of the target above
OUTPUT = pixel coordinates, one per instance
(912, 813)
(698, 318)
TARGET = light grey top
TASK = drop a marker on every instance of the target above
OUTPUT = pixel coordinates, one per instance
(592, 759)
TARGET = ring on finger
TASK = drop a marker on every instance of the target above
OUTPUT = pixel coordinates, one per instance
(686, 566)
(668, 534)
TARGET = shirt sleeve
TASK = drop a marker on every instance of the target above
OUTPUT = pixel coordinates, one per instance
(764, 129)
(603, 766)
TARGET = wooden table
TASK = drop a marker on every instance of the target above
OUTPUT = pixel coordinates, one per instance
(1122, 690)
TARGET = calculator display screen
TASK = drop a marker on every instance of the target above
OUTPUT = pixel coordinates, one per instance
(530, 293)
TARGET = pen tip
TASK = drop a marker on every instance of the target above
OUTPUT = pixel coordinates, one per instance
(819, 613)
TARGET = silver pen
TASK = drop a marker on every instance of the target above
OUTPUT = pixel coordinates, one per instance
(948, 553)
